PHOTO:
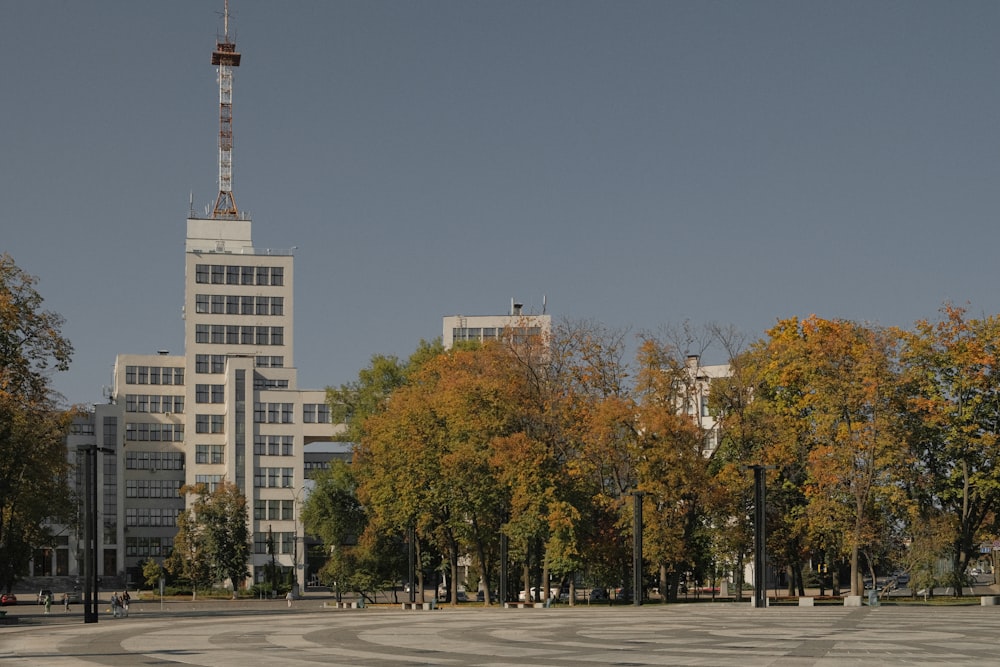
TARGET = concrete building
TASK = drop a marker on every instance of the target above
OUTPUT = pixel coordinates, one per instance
(516, 323)
(694, 402)
(227, 408)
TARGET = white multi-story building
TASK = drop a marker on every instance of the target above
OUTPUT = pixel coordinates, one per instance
(694, 402)
(228, 408)
(517, 324)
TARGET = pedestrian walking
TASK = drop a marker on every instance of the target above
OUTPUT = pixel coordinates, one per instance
(115, 603)
(48, 603)
(126, 598)
(66, 601)
(288, 598)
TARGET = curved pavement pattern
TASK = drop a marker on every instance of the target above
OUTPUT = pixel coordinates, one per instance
(702, 634)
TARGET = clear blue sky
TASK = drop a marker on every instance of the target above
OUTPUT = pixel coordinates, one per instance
(639, 163)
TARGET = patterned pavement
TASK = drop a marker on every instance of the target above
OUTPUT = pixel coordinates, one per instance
(270, 634)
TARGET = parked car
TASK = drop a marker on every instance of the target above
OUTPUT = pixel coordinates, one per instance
(8, 599)
(45, 593)
(481, 596)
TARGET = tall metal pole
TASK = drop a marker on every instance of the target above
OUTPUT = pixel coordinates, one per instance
(637, 547)
(759, 534)
(502, 593)
(89, 534)
(410, 534)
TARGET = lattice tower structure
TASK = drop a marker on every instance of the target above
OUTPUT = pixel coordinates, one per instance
(225, 57)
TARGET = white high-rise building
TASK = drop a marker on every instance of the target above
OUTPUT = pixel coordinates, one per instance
(228, 408)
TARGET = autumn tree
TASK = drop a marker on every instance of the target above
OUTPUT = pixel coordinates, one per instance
(333, 513)
(34, 472)
(834, 384)
(953, 392)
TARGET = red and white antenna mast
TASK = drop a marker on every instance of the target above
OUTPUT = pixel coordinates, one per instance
(226, 57)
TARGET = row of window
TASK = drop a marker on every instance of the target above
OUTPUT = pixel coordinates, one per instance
(151, 516)
(274, 510)
(154, 403)
(229, 304)
(230, 274)
(154, 460)
(211, 454)
(154, 375)
(144, 547)
(273, 478)
(136, 432)
(216, 363)
(210, 423)
(232, 334)
(152, 488)
(284, 543)
(211, 481)
(210, 393)
(273, 445)
(268, 383)
(316, 413)
(273, 413)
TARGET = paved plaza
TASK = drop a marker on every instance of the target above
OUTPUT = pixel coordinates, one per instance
(231, 634)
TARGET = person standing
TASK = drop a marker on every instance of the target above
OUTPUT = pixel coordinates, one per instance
(66, 601)
(288, 599)
(48, 603)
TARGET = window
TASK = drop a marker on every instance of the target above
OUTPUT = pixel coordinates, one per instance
(201, 333)
(262, 362)
(218, 393)
(201, 393)
(178, 376)
(218, 333)
(201, 423)
(263, 335)
(210, 454)
(246, 305)
(130, 402)
(309, 413)
(154, 375)
(217, 274)
(212, 481)
(259, 511)
(201, 273)
(263, 275)
(259, 445)
(246, 335)
(263, 304)
(272, 413)
(143, 374)
(277, 276)
(287, 445)
(154, 403)
(218, 423)
(277, 305)
(201, 363)
(277, 362)
(287, 510)
(287, 416)
(201, 303)
(130, 372)
(323, 414)
(232, 275)
(232, 305)
(259, 413)
(232, 334)
(287, 478)
(218, 304)
(218, 363)
(246, 275)
(277, 335)
(273, 509)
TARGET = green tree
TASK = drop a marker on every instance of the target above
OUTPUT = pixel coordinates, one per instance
(34, 471)
(953, 392)
(213, 538)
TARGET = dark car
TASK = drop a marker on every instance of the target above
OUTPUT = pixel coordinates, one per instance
(7, 599)
(597, 595)
(481, 596)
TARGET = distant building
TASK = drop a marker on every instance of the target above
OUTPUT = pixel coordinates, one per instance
(516, 324)
(694, 402)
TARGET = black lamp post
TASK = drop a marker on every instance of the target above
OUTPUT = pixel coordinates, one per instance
(759, 534)
(90, 531)
(637, 547)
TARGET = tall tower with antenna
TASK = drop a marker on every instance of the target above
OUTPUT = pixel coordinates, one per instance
(225, 57)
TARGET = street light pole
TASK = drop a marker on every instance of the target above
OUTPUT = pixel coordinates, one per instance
(759, 535)
(637, 547)
(90, 537)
